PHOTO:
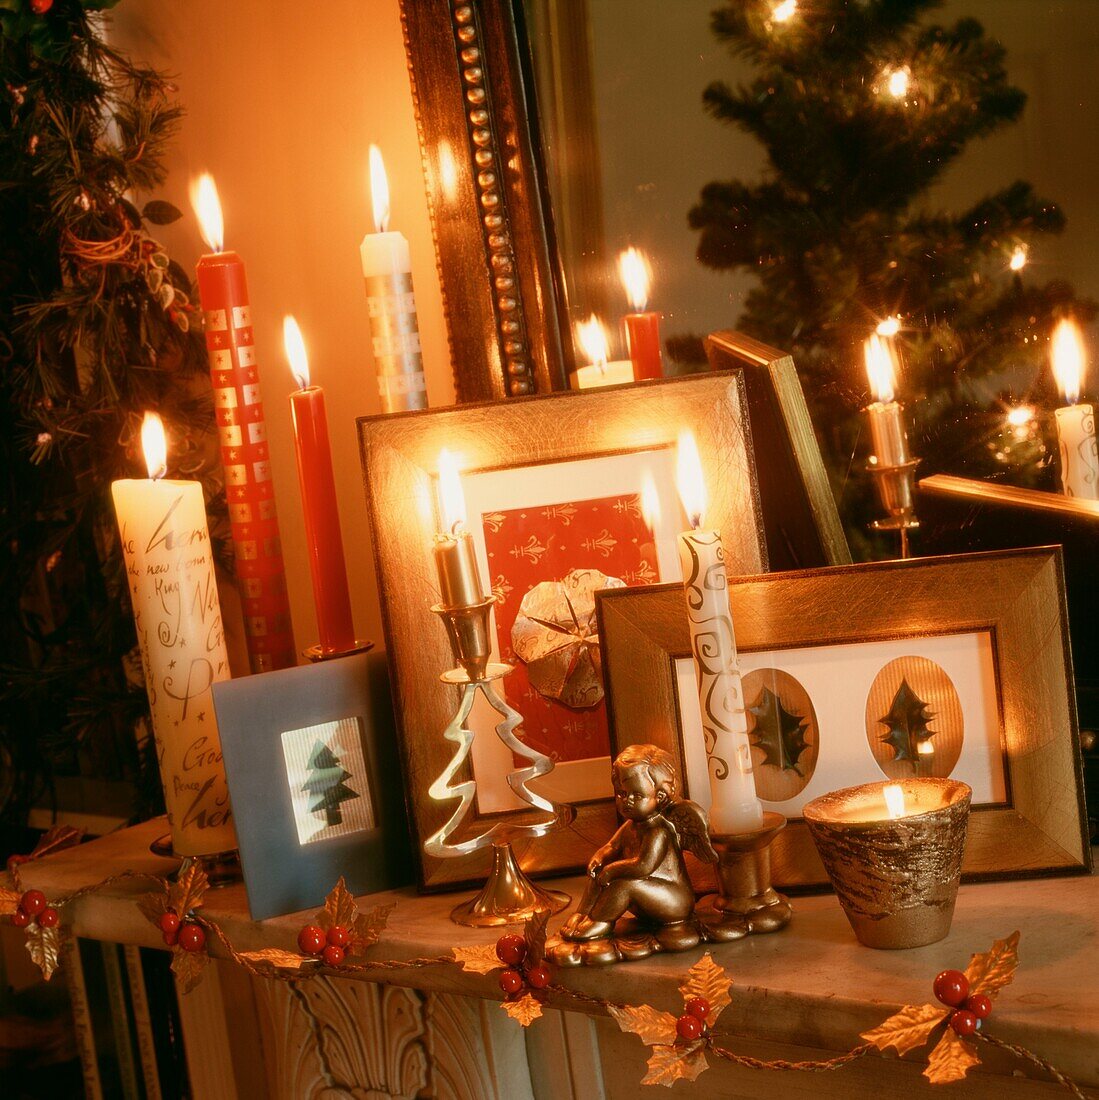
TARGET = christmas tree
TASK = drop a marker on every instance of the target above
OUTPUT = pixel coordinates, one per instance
(861, 107)
(95, 328)
(325, 784)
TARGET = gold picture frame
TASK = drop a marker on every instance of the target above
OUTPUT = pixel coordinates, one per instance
(400, 457)
(1015, 598)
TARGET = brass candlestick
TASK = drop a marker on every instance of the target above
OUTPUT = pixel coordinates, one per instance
(316, 653)
(508, 896)
(747, 903)
(895, 485)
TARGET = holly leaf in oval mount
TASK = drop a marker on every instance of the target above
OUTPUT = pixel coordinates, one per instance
(778, 732)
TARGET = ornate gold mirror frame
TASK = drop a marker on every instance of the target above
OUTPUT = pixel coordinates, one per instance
(487, 198)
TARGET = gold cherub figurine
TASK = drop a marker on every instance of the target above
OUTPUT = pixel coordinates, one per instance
(640, 870)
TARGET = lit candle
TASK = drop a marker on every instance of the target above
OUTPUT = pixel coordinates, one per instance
(642, 328)
(173, 591)
(734, 807)
(592, 337)
(242, 432)
(387, 276)
(318, 500)
(1075, 423)
(887, 432)
(455, 560)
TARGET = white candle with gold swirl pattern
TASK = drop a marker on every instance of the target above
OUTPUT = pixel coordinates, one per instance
(734, 805)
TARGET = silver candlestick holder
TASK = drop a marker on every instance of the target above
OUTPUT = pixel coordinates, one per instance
(508, 896)
(896, 491)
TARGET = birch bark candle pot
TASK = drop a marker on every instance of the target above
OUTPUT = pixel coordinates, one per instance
(894, 854)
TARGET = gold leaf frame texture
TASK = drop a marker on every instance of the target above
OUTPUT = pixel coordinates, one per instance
(1017, 597)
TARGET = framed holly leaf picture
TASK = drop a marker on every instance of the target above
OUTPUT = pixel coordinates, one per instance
(952, 667)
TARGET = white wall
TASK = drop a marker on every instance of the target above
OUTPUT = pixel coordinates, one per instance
(282, 102)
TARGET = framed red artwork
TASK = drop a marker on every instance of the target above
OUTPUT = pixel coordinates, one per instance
(565, 494)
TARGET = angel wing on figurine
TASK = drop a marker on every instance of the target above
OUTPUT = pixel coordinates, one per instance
(641, 870)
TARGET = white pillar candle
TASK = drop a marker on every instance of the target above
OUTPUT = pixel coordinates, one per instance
(170, 573)
(387, 277)
(592, 337)
(734, 806)
(1075, 423)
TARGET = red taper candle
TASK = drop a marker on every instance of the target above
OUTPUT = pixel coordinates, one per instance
(318, 501)
(642, 327)
(242, 431)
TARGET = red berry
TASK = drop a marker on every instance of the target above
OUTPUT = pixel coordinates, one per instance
(511, 949)
(48, 918)
(169, 922)
(689, 1028)
(979, 1005)
(332, 955)
(40, 7)
(33, 902)
(171, 938)
(538, 977)
(338, 936)
(311, 940)
(511, 981)
(698, 1007)
(963, 1022)
(952, 988)
(20, 918)
(192, 937)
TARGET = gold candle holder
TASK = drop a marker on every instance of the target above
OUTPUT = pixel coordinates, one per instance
(747, 903)
(896, 877)
(895, 486)
(508, 896)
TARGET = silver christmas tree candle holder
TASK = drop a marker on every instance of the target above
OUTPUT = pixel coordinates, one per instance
(508, 896)
(895, 486)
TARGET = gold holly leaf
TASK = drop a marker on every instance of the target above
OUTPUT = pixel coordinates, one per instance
(280, 960)
(707, 979)
(188, 890)
(907, 1029)
(339, 908)
(670, 1064)
(43, 946)
(534, 932)
(526, 1010)
(9, 901)
(55, 839)
(367, 928)
(153, 907)
(649, 1024)
(990, 971)
(951, 1059)
(188, 966)
(478, 960)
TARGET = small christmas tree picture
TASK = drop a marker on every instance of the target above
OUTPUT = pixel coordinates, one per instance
(325, 784)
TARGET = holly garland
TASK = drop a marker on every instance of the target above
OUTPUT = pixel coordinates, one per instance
(340, 934)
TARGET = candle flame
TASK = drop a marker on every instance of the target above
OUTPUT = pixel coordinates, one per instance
(925, 748)
(636, 275)
(592, 338)
(894, 800)
(650, 501)
(897, 82)
(452, 501)
(784, 12)
(379, 190)
(889, 327)
(155, 445)
(880, 368)
(207, 206)
(688, 478)
(1018, 258)
(1068, 359)
(295, 351)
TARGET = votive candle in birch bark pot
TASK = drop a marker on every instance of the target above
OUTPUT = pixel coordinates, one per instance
(894, 854)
